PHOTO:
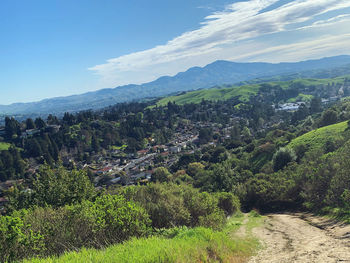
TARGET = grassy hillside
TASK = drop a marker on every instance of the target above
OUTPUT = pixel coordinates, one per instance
(316, 139)
(189, 245)
(245, 91)
(215, 94)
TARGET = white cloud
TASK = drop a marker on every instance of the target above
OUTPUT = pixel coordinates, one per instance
(224, 33)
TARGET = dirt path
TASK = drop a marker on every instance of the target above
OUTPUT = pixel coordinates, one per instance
(302, 238)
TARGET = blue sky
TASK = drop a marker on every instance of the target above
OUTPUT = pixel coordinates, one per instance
(63, 47)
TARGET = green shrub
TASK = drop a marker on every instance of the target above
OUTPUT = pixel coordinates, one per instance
(282, 157)
(228, 203)
(48, 231)
(216, 220)
(171, 205)
(113, 219)
(17, 240)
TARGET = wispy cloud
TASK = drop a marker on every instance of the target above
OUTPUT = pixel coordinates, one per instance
(223, 34)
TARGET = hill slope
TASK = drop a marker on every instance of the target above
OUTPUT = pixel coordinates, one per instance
(217, 73)
(317, 139)
(242, 92)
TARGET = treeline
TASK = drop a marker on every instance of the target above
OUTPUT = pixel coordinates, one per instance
(80, 136)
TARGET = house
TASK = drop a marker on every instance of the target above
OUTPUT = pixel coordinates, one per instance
(115, 180)
(175, 149)
(289, 106)
(52, 128)
(142, 152)
(104, 170)
(30, 132)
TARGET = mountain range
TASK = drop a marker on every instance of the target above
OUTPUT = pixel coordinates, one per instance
(217, 73)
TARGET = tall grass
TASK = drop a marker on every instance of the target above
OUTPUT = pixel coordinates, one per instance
(189, 245)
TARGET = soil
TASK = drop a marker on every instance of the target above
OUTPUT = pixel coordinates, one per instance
(301, 237)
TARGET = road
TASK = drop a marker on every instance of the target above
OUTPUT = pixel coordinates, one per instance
(300, 237)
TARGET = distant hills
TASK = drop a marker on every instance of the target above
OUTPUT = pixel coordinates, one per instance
(216, 73)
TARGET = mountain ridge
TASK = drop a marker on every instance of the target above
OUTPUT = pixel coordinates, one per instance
(216, 73)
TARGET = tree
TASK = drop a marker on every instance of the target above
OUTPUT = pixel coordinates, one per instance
(33, 148)
(205, 135)
(95, 144)
(194, 168)
(161, 174)
(51, 120)
(39, 123)
(329, 117)
(30, 124)
(282, 157)
(315, 105)
(54, 187)
(12, 128)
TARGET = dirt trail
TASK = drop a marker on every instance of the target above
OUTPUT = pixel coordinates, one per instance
(302, 238)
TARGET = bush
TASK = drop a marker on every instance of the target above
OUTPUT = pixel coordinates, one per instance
(48, 231)
(112, 219)
(171, 205)
(17, 240)
(53, 187)
(216, 220)
(282, 157)
(228, 203)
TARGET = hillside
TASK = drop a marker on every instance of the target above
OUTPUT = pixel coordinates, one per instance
(245, 91)
(316, 139)
(216, 73)
(215, 94)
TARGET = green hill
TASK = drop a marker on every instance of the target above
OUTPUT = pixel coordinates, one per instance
(242, 92)
(245, 91)
(317, 139)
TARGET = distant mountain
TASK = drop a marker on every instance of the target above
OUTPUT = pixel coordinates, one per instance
(217, 73)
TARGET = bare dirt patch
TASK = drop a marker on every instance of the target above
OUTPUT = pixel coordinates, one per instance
(302, 238)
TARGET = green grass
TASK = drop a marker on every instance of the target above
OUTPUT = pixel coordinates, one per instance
(301, 97)
(190, 245)
(244, 92)
(316, 139)
(4, 146)
(215, 94)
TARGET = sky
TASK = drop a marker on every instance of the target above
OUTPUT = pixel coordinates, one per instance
(64, 47)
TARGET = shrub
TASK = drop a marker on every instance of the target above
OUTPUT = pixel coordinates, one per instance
(282, 157)
(228, 203)
(171, 205)
(17, 240)
(216, 220)
(48, 231)
(53, 187)
(112, 219)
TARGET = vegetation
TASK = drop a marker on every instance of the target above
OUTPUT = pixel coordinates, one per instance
(244, 92)
(318, 138)
(215, 94)
(4, 146)
(175, 245)
(244, 152)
